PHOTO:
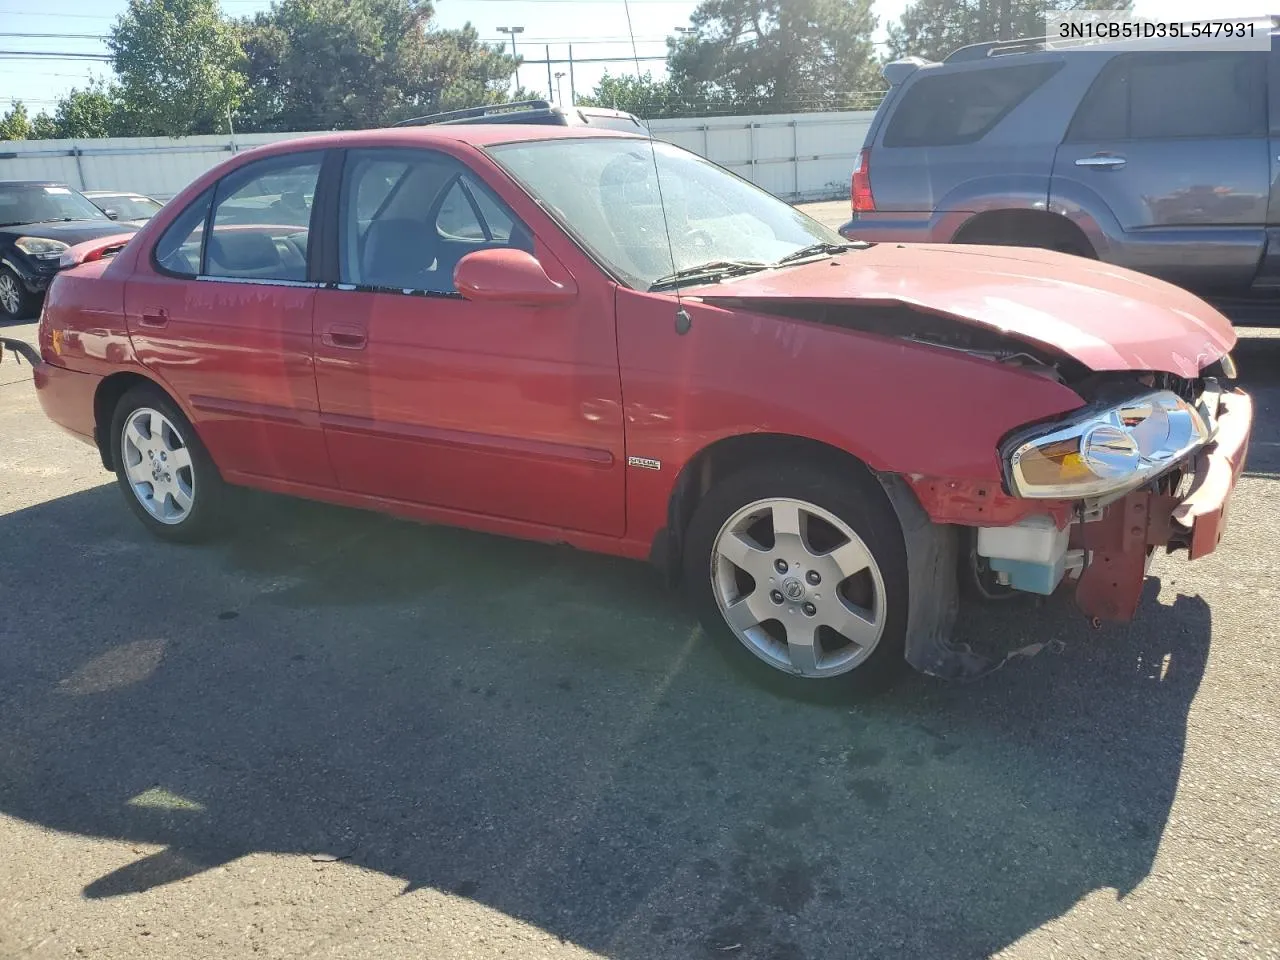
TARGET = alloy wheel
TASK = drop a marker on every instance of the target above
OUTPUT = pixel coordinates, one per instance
(798, 587)
(157, 463)
(10, 295)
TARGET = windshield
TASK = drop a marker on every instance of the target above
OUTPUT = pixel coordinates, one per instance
(605, 192)
(28, 203)
(128, 208)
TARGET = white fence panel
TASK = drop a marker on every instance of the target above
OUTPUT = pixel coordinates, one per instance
(796, 156)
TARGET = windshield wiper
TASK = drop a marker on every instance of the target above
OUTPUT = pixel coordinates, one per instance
(16, 223)
(814, 250)
(712, 270)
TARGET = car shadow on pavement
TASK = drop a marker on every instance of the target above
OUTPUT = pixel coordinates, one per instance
(547, 732)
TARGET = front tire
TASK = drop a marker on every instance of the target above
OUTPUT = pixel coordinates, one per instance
(166, 474)
(16, 303)
(800, 576)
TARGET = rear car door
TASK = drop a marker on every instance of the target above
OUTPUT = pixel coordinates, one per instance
(221, 312)
(1172, 147)
(496, 409)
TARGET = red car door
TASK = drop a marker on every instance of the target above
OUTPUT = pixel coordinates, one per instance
(501, 410)
(227, 323)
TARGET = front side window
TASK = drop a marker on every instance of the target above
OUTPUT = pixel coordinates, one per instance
(261, 220)
(408, 216)
(955, 108)
(605, 191)
(1162, 96)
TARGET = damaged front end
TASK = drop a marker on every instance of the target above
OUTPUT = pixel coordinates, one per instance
(1152, 472)
(1147, 460)
(1150, 462)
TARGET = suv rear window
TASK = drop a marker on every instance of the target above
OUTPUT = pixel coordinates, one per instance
(954, 108)
(1160, 96)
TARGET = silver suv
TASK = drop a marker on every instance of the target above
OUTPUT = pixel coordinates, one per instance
(1166, 162)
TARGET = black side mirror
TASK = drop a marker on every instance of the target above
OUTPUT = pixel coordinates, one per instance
(112, 214)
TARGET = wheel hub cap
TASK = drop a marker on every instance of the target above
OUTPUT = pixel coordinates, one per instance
(8, 295)
(158, 465)
(798, 587)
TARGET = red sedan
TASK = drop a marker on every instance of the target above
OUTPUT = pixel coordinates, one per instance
(592, 338)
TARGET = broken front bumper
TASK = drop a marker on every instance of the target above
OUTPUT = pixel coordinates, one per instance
(1121, 540)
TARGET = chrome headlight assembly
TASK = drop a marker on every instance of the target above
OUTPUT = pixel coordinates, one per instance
(1108, 451)
(41, 247)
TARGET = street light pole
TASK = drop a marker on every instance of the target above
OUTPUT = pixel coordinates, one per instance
(559, 96)
(512, 31)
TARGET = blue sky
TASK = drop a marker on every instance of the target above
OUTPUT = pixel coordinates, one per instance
(596, 28)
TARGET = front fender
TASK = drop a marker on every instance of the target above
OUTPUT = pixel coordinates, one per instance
(898, 407)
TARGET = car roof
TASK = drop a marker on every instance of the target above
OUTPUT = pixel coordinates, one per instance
(114, 193)
(475, 134)
(32, 183)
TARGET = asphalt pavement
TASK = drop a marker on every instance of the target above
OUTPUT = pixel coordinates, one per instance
(334, 734)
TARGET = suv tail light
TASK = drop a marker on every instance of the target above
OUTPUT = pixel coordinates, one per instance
(860, 197)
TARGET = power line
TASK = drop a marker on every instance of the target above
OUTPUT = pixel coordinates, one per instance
(60, 16)
(52, 55)
(58, 36)
(573, 40)
(106, 57)
(582, 40)
(69, 76)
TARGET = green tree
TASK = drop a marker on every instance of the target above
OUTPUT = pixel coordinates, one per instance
(644, 96)
(933, 28)
(96, 111)
(180, 66)
(16, 124)
(334, 64)
(777, 55)
(43, 127)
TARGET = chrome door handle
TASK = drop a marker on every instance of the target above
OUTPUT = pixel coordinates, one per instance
(1101, 160)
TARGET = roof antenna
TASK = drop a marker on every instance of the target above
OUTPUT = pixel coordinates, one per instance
(683, 320)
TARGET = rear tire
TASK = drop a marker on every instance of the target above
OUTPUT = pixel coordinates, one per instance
(799, 575)
(167, 476)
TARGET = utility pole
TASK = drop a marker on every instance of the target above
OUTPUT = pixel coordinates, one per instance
(512, 31)
(550, 90)
(559, 96)
(573, 94)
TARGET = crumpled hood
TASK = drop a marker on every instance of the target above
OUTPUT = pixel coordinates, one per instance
(1106, 317)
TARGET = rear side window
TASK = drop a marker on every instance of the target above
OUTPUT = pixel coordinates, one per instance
(1162, 96)
(180, 247)
(955, 108)
(262, 220)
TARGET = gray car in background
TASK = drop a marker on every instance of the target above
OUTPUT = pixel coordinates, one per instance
(1167, 162)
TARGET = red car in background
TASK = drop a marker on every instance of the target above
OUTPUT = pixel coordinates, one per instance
(587, 337)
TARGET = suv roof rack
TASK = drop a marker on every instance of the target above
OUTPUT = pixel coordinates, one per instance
(528, 109)
(996, 48)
